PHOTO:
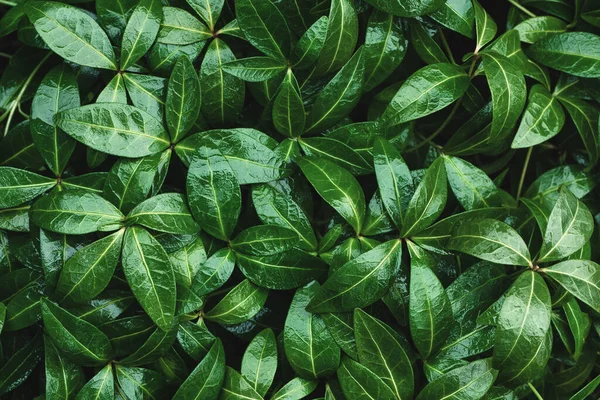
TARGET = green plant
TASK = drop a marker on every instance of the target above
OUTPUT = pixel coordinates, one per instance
(338, 199)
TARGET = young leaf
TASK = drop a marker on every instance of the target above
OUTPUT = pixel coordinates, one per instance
(307, 342)
(72, 34)
(150, 275)
(259, 362)
(426, 91)
(491, 240)
(116, 129)
(337, 187)
(359, 282)
(183, 99)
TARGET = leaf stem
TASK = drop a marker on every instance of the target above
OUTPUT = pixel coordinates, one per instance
(17, 100)
(523, 173)
(446, 47)
(5, 55)
(520, 7)
(534, 391)
(8, 3)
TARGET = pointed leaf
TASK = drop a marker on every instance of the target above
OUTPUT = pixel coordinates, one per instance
(239, 304)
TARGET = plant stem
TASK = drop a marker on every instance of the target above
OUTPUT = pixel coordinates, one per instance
(520, 7)
(8, 3)
(534, 391)
(17, 100)
(446, 47)
(5, 55)
(523, 173)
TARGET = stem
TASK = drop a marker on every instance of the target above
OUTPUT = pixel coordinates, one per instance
(17, 100)
(520, 7)
(534, 391)
(523, 173)
(8, 3)
(5, 55)
(440, 129)
(446, 47)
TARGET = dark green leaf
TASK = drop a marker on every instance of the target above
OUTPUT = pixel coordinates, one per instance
(359, 382)
(260, 361)
(206, 379)
(576, 53)
(579, 277)
(183, 99)
(240, 304)
(167, 212)
(140, 32)
(18, 186)
(271, 34)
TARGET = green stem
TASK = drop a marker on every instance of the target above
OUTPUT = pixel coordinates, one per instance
(446, 47)
(17, 100)
(8, 3)
(5, 55)
(520, 7)
(534, 391)
(523, 173)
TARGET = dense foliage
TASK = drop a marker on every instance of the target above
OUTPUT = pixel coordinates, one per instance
(286, 199)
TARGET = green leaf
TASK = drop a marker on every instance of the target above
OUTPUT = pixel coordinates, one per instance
(587, 390)
(471, 186)
(195, 339)
(469, 382)
(187, 261)
(458, 15)
(534, 29)
(259, 362)
(157, 344)
(542, 120)
(522, 326)
(492, 241)
(309, 46)
(180, 27)
(426, 91)
(385, 47)
(147, 93)
(580, 277)
(341, 328)
(135, 383)
(282, 270)
(214, 195)
(430, 314)
(361, 281)
(579, 323)
(214, 272)
(87, 273)
(75, 212)
(359, 382)
(485, 27)
(18, 148)
(394, 179)
(295, 389)
(288, 113)
(208, 10)
(18, 186)
(585, 118)
(337, 187)
(235, 387)
(339, 96)
(412, 8)
(277, 208)
(206, 379)
(424, 44)
(507, 85)
(264, 26)
(570, 226)
(114, 92)
(72, 34)
(380, 350)
(58, 91)
(63, 378)
(308, 344)
(255, 69)
(341, 38)
(264, 240)
(116, 129)
(429, 200)
(80, 341)
(167, 212)
(337, 152)
(222, 93)
(100, 387)
(576, 53)
(239, 304)
(140, 32)
(183, 99)
(150, 275)
(18, 367)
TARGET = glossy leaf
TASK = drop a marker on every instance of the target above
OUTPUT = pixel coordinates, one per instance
(260, 361)
(579, 277)
(183, 99)
(240, 304)
(140, 32)
(18, 186)
(573, 52)
(206, 379)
